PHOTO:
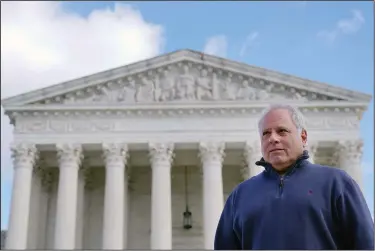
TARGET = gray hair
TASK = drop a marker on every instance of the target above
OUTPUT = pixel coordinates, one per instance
(297, 117)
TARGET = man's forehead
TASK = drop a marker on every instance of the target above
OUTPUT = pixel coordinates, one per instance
(279, 118)
(275, 126)
(277, 114)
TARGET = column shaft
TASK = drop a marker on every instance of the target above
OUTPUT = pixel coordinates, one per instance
(126, 207)
(69, 158)
(24, 160)
(80, 209)
(161, 200)
(114, 205)
(213, 198)
(36, 206)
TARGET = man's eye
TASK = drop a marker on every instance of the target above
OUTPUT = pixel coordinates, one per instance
(264, 133)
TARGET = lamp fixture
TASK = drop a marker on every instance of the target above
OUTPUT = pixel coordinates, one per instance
(187, 215)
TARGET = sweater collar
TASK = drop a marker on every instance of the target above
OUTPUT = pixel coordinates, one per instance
(298, 163)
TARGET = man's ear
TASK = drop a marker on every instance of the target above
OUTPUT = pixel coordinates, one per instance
(304, 136)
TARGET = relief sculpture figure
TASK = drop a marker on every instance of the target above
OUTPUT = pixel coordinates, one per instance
(246, 92)
(165, 88)
(230, 90)
(185, 85)
(215, 87)
(145, 89)
(157, 88)
(297, 96)
(106, 95)
(69, 100)
(262, 95)
(127, 94)
(204, 89)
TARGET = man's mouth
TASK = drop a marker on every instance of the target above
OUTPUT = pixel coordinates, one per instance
(275, 150)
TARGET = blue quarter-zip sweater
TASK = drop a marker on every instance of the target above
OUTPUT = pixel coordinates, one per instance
(310, 207)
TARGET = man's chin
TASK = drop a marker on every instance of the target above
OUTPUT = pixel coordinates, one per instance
(276, 160)
(278, 163)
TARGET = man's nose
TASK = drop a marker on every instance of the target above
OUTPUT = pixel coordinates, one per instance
(274, 138)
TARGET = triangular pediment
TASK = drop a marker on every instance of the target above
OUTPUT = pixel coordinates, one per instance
(184, 76)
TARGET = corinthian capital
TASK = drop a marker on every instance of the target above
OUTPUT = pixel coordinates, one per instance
(69, 153)
(312, 148)
(115, 153)
(212, 151)
(252, 151)
(24, 154)
(161, 152)
(350, 149)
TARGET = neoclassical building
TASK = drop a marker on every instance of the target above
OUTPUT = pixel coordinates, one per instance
(144, 156)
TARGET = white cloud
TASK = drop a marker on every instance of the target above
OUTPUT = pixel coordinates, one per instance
(249, 42)
(216, 45)
(346, 26)
(43, 44)
(352, 25)
(48, 44)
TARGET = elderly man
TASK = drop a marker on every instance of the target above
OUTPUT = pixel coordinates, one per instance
(294, 204)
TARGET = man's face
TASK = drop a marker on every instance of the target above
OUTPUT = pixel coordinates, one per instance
(280, 140)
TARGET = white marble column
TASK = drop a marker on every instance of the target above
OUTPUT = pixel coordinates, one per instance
(252, 153)
(69, 157)
(161, 156)
(312, 148)
(115, 156)
(349, 158)
(127, 205)
(80, 208)
(44, 213)
(37, 205)
(25, 156)
(212, 155)
(89, 187)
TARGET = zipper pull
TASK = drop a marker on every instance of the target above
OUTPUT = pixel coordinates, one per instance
(281, 181)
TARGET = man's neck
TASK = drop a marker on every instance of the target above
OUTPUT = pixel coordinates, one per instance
(281, 170)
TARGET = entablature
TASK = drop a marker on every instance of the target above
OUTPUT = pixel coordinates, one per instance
(178, 110)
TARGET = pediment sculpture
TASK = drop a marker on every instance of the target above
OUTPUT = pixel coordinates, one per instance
(182, 82)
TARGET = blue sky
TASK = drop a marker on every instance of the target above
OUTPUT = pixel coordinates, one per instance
(331, 42)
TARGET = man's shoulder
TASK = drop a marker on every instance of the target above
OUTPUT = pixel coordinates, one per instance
(328, 171)
(332, 174)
